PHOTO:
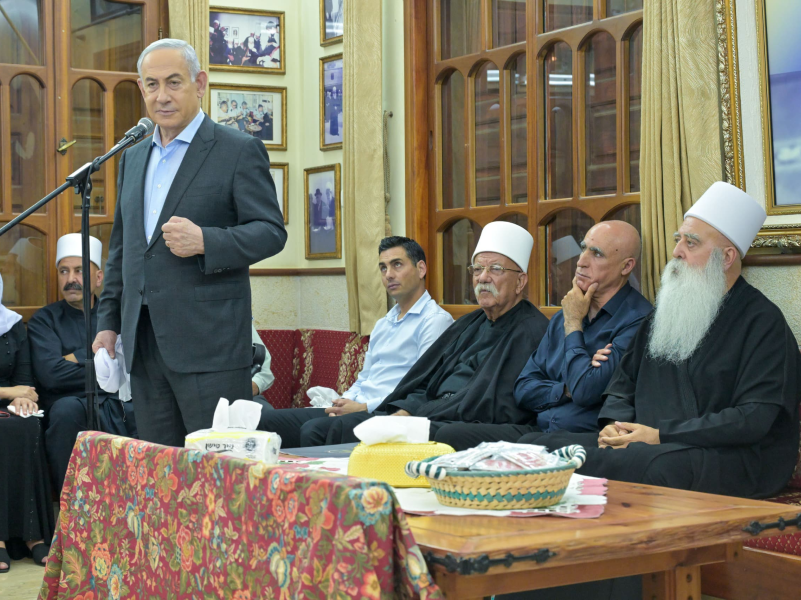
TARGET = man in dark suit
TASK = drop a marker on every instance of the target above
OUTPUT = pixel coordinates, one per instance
(186, 229)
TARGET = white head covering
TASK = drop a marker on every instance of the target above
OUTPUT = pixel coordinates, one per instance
(8, 318)
(732, 212)
(508, 239)
(565, 248)
(70, 245)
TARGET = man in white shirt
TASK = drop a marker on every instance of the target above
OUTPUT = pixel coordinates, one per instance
(397, 341)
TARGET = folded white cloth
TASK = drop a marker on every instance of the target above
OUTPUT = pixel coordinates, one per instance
(322, 397)
(110, 372)
(38, 413)
(386, 430)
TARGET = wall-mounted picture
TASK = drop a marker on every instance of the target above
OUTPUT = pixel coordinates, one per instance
(280, 173)
(259, 111)
(332, 21)
(322, 212)
(331, 102)
(251, 41)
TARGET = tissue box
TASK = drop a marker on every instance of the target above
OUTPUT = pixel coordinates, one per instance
(255, 445)
(387, 462)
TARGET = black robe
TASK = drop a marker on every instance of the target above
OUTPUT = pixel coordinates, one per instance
(727, 416)
(488, 396)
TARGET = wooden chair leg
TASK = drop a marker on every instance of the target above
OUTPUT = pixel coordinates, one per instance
(682, 583)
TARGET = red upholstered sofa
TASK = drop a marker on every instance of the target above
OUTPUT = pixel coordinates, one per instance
(305, 358)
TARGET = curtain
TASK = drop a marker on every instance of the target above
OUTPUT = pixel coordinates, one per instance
(363, 177)
(189, 21)
(682, 148)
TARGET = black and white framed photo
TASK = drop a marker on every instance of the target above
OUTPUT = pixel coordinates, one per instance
(259, 111)
(331, 102)
(332, 21)
(280, 174)
(322, 212)
(250, 41)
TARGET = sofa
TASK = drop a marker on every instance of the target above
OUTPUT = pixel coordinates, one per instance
(306, 358)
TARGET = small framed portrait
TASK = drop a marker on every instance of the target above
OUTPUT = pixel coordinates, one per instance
(259, 111)
(332, 21)
(280, 174)
(331, 102)
(250, 41)
(322, 212)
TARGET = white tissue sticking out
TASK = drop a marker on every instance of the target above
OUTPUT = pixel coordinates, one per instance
(242, 414)
(322, 397)
(387, 430)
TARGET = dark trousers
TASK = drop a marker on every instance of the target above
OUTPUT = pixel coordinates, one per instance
(170, 404)
(461, 436)
(66, 418)
(298, 427)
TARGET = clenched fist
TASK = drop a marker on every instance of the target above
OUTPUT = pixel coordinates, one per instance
(183, 237)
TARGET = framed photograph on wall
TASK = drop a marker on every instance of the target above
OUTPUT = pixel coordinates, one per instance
(257, 110)
(280, 173)
(250, 41)
(331, 102)
(322, 212)
(332, 21)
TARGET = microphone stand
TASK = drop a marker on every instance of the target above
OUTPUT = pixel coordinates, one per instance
(81, 181)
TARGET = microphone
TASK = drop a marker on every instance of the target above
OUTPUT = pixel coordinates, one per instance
(141, 130)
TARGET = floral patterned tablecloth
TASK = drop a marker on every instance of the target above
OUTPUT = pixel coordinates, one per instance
(143, 521)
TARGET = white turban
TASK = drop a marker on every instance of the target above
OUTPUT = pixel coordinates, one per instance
(70, 245)
(732, 212)
(511, 240)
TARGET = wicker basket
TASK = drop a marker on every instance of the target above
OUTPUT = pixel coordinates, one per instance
(500, 490)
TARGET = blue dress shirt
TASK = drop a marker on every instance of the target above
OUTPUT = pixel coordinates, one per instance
(561, 361)
(161, 170)
(395, 345)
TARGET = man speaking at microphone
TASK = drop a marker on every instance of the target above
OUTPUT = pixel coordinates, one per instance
(187, 226)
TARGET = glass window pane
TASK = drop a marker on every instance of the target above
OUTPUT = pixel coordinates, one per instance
(558, 91)
(20, 37)
(635, 98)
(516, 218)
(508, 22)
(23, 254)
(566, 13)
(87, 130)
(106, 35)
(27, 99)
(103, 233)
(600, 115)
(129, 107)
(563, 234)
(618, 7)
(458, 242)
(517, 114)
(460, 31)
(631, 215)
(453, 139)
(487, 144)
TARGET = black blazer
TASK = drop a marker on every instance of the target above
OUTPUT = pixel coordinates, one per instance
(199, 306)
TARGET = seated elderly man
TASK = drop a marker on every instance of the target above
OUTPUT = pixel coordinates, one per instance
(561, 382)
(57, 336)
(397, 341)
(468, 375)
(706, 397)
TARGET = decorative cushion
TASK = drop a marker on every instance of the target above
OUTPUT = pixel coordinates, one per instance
(788, 543)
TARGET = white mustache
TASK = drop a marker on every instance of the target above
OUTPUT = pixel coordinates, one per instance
(486, 287)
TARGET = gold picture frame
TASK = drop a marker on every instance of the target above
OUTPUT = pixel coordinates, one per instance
(331, 69)
(272, 132)
(330, 26)
(281, 186)
(232, 43)
(779, 240)
(322, 213)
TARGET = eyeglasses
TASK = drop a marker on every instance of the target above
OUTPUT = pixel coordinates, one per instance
(496, 270)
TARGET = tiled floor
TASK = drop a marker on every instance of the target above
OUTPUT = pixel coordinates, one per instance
(22, 582)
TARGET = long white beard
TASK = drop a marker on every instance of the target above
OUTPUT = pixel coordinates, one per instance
(687, 304)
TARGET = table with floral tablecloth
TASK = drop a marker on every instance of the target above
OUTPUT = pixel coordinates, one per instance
(144, 521)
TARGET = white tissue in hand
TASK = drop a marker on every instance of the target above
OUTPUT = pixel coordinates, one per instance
(387, 430)
(322, 397)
